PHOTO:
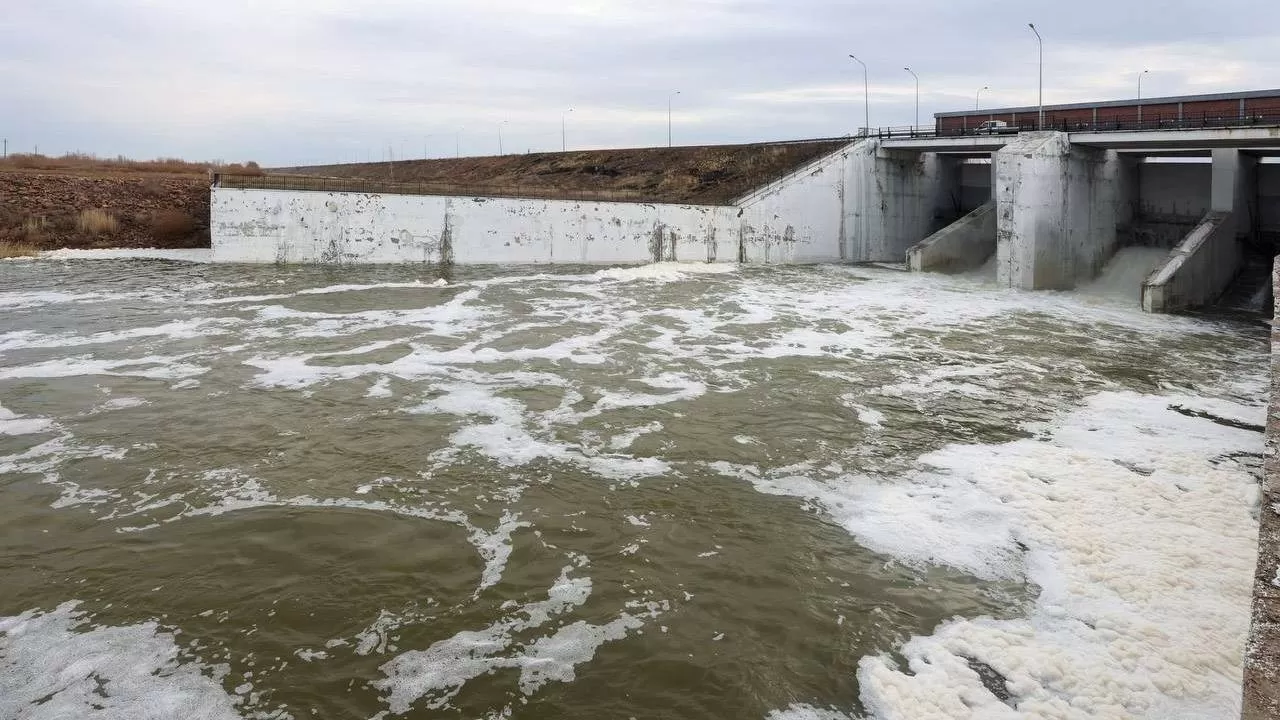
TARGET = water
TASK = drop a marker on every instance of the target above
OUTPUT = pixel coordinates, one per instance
(659, 492)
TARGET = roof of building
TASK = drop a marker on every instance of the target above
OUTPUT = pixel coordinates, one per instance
(1249, 94)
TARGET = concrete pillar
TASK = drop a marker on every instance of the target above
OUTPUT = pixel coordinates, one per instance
(1057, 210)
(890, 200)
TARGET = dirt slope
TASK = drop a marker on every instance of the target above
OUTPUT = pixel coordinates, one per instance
(705, 175)
(46, 209)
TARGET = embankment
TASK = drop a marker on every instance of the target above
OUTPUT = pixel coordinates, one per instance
(47, 209)
(703, 175)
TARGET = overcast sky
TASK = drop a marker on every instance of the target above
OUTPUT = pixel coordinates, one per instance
(311, 81)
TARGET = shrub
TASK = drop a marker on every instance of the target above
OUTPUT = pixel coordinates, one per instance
(13, 249)
(96, 222)
(170, 225)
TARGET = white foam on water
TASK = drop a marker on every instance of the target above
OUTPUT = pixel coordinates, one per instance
(13, 424)
(495, 548)
(506, 440)
(22, 300)
(194, 255)
(440, 672)
(57, 664)
(1138, 530)
(327, 290)
(380, 389)
(176, 330)
(625, 440)
(553, 658)
(807, 712)
(154, 367)
(664, 271)
(309, 655)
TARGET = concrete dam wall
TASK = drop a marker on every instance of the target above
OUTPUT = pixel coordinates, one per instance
(860, 203)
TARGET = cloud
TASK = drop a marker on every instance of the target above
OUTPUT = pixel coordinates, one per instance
(293, 81)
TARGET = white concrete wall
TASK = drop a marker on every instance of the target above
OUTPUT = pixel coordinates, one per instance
(860, 204)
(891, 200)
(962, 245)
(799, 218)
(1197, 271)
(292, 226)
(1057, 211)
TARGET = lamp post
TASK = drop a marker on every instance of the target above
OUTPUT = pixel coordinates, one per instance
(504, 122)
(1144, 72)
(917, 77)
(1040, 42)
(457, 143)
(977, 98)
(564, 142)
(866, 97)
(669, 98)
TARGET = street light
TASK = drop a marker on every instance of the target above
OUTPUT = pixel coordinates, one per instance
(669, 97)
(1144, 72)
(504, 122)
(457, 143)
(917, 77)
(866, 97)
(977, 98)
(1040, 41)
(564, 143)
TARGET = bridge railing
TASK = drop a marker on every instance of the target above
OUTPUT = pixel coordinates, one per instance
(1130, 123)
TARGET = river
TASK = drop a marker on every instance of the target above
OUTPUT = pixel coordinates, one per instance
(660, 492)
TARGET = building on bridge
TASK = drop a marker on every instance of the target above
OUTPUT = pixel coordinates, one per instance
(1216, 110)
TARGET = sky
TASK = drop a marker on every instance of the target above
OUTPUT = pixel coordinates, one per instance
(289, 82)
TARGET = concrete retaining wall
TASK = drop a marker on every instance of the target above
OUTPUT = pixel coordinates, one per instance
(859, 204)
(290, 226)
(799, 218)
(962, 245)
(1261, 688)
(1198, 270)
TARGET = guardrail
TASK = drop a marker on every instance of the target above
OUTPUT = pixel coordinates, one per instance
(1155, 122)
(1148, 123)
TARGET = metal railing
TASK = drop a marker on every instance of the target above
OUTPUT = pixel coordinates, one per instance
(1149, 122)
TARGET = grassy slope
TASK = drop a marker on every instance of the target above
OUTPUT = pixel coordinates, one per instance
(710, 175)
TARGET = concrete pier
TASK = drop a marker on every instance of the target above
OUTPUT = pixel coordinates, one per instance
(1058, 208)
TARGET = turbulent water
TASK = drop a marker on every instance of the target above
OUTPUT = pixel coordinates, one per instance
(659, 492)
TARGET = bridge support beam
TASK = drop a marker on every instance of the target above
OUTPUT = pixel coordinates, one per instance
(893, 199)
(1058, 208)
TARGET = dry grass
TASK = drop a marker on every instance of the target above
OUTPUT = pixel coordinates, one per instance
(84, 161)
(170, 225)
(96, 222)
(14, 249)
